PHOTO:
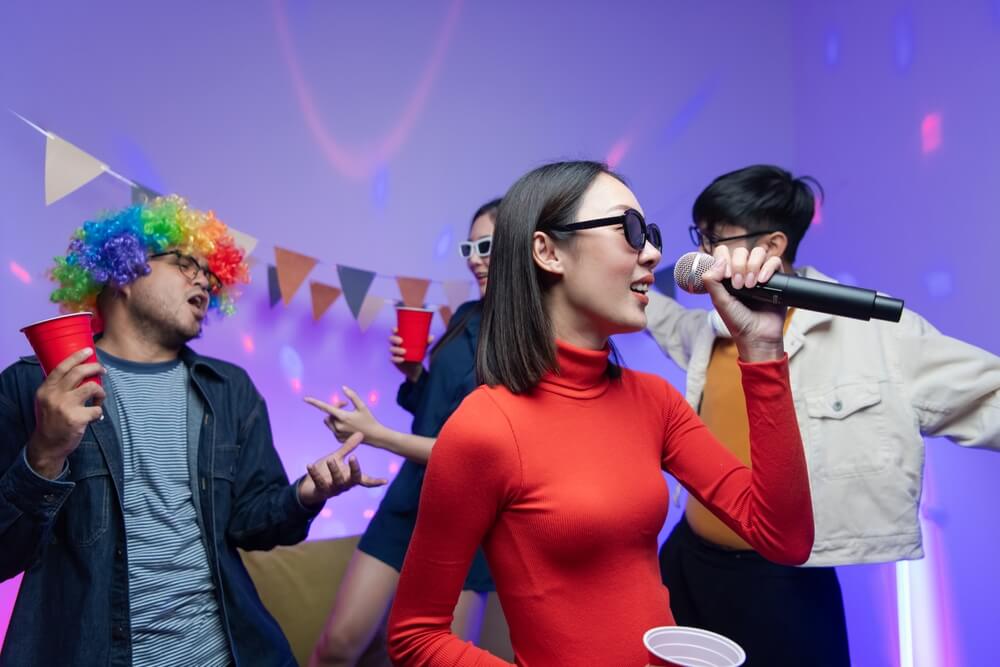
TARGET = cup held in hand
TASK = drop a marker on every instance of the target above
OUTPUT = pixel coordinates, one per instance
(414, 327)
(55, 339)
(681, 646)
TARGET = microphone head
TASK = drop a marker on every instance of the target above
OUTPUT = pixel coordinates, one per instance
(689, 269)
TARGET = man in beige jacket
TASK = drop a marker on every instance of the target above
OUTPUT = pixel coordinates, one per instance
(865, 393)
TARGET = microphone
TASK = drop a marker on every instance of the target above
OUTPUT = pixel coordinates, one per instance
(794, 292)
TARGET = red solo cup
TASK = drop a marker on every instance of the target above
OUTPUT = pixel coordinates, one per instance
(57, 338)
(680, 646)
(414, 325)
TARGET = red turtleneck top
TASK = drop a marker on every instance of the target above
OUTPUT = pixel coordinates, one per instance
(562, 487)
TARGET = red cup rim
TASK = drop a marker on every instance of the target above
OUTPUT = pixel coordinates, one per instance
(58, 317)
(422, 310)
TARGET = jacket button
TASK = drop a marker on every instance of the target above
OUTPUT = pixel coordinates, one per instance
(837, 405)
(49, 498)
(119, 553)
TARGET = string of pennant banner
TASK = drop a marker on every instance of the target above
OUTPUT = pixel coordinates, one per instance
(68, 168)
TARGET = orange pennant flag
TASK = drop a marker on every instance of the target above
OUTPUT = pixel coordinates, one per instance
(292, 271)
(414, 290)
(323, 297)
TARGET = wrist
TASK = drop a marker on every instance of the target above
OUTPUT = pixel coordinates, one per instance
(45, 465)
(758, 351)
(306, 492)
(415, 374)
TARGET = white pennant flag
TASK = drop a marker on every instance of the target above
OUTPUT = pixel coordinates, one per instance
(243, 241)
(67, 168)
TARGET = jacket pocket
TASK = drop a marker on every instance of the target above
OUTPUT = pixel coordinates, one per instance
(847, 429)
(87, 511)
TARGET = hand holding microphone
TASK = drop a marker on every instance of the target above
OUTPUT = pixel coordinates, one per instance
(789, 290)
(757, 329)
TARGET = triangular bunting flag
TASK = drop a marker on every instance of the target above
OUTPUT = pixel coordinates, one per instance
(67, 168)
(273, 291)
(244, 241)
(355, 283)
(369, 310)
(323, 297)
(456, 292)
(292, 271)
(445, 313)
(414, 290)
(141, 194)
(664, 281)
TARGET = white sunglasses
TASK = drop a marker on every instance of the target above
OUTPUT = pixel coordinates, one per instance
(482, 247)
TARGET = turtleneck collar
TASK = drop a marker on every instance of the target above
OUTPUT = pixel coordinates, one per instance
(581, 373)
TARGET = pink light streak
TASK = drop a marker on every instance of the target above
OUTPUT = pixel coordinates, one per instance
(358, 164)
(20, 272)
(930, 133)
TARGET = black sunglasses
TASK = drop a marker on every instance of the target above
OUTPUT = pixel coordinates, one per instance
(708, 240)
(481, 246)
(190, 267)
(637, 232)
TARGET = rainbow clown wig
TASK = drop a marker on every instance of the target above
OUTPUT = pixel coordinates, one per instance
(114, 250)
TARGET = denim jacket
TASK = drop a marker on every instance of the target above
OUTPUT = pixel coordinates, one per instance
(68, 535)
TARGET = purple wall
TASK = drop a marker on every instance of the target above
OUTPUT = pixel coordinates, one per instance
(367, 135)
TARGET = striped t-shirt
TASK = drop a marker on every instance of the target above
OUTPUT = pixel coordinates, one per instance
(174, 612)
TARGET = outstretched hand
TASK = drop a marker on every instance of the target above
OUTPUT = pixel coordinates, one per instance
(335, 473)
(345, 423)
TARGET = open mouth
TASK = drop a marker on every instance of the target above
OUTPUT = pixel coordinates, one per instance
(199, 301)
(640, 287)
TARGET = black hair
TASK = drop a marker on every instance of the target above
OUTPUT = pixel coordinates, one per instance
(760, 198)
(516, 342)
(457, 325)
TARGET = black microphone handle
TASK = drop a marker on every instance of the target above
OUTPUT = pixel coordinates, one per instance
(822, 296)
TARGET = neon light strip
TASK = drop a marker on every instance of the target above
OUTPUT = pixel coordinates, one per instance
(904, 613)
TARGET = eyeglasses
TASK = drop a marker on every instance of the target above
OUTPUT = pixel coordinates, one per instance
(708, 240)
(190, 267)
(482, 247)
(637, 232)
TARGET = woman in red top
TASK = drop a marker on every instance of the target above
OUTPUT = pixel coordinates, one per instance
(564, 450)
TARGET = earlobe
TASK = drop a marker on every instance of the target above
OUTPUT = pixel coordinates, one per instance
(545, 254)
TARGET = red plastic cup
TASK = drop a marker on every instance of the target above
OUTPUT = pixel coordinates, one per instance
(680, 646)
(414, 325)
(57, 338)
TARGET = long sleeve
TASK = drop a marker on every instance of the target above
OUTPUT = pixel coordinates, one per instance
(472, 475)
(266, 508)
(954, 387)
(769, 504)
(29, 503)
(410, 394)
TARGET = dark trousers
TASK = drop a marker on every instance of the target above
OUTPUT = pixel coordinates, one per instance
(780, 615)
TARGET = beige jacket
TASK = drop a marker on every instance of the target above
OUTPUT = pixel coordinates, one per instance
(865, 395)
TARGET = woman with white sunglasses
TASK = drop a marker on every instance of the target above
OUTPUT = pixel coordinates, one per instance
(431, 395)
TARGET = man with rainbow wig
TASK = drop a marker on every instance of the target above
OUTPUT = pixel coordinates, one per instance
(123, 502)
